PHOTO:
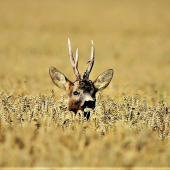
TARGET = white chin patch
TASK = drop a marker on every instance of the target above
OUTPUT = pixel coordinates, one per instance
(88, 109)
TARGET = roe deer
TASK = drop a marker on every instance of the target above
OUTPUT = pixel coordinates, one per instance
(82, 91)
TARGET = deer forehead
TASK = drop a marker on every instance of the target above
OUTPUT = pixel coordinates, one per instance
(86, 85)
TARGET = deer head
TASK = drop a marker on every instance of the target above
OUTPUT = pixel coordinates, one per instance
(82, 91)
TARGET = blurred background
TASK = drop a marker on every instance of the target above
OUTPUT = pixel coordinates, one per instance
(132, 37)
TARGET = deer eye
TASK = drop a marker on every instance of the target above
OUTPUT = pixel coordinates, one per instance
(76, 92)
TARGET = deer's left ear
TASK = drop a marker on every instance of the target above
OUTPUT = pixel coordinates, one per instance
(103, 80)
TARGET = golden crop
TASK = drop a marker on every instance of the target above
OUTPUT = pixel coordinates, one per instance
(37, 131)
(130, 126)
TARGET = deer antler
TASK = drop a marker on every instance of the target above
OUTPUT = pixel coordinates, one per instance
(90, 62)
(74, 63)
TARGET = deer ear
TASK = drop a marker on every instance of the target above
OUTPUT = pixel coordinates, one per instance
(59, 79)
(103, 80)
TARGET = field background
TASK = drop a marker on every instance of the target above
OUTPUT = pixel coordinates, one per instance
(131, 37)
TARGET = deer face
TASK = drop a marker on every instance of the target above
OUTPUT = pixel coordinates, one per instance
(82, 95)
(81, 92)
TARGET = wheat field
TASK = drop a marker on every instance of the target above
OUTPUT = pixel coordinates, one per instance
(130, 126)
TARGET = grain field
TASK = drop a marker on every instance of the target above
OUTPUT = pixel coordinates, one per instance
(130, 126)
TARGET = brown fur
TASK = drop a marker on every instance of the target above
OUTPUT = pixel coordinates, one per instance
(85, 88)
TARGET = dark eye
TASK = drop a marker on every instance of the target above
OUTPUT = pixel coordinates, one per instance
(76, 92)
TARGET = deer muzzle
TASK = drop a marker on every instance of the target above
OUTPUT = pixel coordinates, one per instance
(89, 102)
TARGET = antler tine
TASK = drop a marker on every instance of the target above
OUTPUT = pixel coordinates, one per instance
(92, 50)
(73, 63)
(91, 62)
(77, 59)
(70, 53)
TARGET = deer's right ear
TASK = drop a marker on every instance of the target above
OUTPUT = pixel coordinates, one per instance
(59, 79)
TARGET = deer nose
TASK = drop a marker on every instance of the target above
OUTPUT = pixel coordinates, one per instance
(89, 104)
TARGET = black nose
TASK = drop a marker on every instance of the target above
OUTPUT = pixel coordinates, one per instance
(89, 104)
